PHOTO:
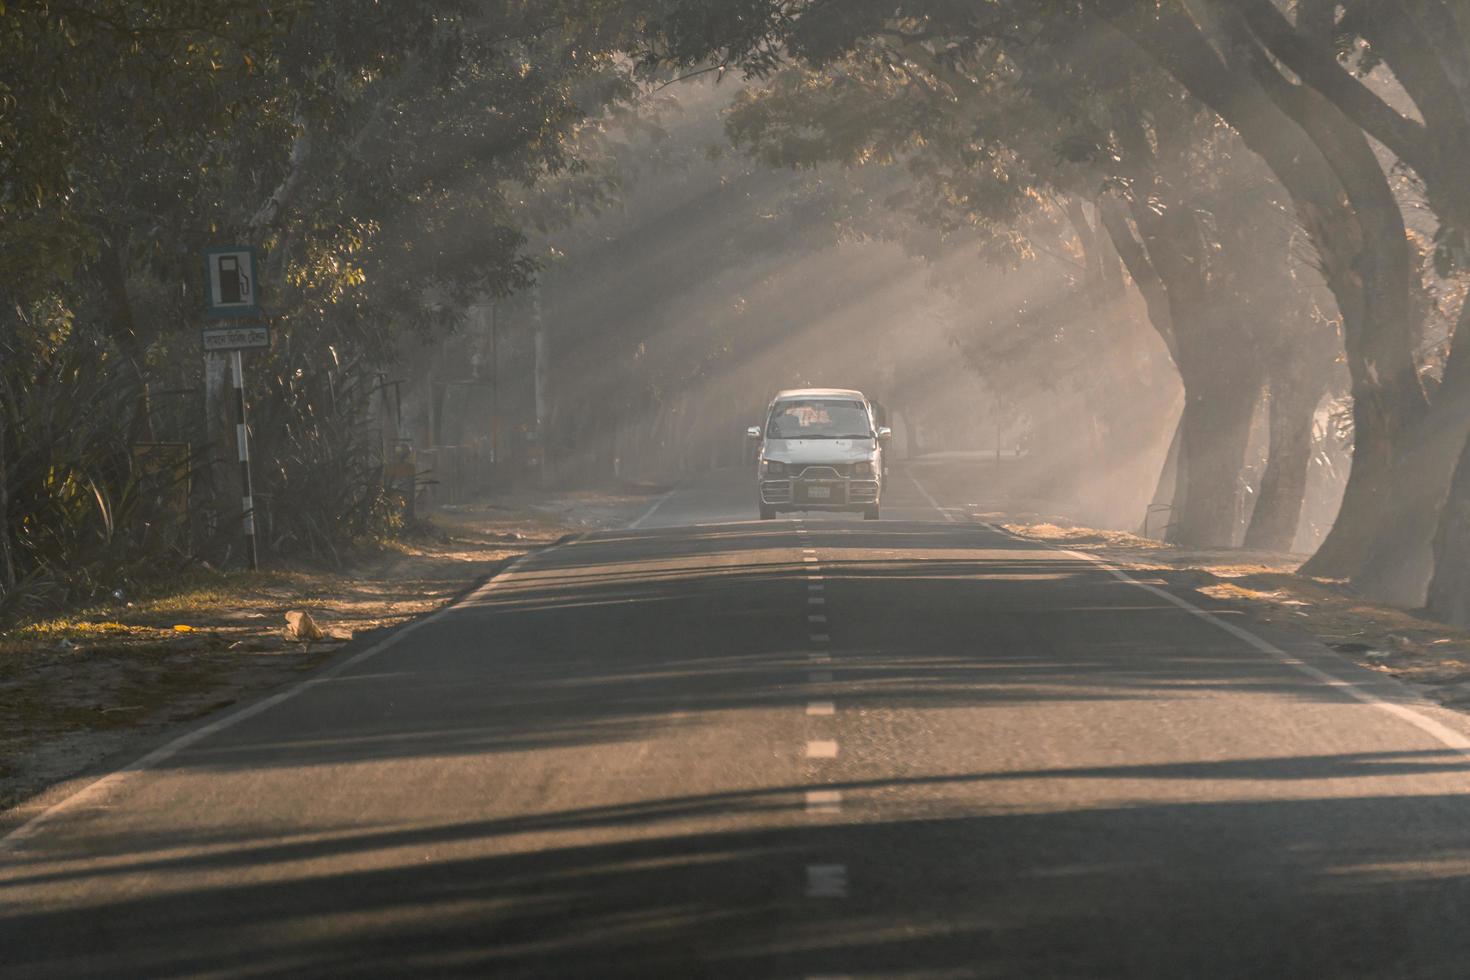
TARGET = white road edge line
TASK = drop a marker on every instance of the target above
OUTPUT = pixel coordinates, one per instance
(1442, 733)
(99, 787)
(927, 496)
(1448, 736)
(649, 512)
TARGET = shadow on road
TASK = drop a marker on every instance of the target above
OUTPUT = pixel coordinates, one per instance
(631, 635)
(730, 904)
(577, 651)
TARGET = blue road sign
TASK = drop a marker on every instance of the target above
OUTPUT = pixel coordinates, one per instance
(230, 287)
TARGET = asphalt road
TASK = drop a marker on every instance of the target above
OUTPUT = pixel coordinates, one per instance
(711, 746)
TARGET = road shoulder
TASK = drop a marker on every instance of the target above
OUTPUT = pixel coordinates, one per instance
(1433, 659)
(83, 693)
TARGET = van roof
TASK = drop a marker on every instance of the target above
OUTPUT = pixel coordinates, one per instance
(792, 393)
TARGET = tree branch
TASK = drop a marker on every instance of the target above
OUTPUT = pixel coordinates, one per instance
(721, 68)
(1316, 65)
(1145, 277)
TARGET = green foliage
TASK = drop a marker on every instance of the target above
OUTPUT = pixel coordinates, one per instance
(79, 519)
(320, 488)
(380, 157)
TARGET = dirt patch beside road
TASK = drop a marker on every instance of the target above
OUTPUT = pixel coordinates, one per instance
(1399, 642)
(77, 690)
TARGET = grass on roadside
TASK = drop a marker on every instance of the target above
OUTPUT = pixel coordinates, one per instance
(72, 687)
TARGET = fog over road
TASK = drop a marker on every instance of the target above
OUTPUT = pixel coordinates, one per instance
(714, 746)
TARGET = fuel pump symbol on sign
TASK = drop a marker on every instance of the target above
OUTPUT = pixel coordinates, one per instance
(230, 282)
(234, 284)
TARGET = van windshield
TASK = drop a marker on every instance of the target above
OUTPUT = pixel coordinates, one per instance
(820, 418)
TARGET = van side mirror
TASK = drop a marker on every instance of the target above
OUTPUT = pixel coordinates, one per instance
(884, 433)
(754, 432)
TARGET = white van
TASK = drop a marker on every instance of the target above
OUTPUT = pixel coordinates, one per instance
(820, 449)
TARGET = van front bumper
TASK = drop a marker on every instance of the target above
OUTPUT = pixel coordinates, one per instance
(820, 494)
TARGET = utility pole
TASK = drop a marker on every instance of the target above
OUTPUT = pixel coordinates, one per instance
(242, 441)
(494, 394)
(997, 433)
(540, 373)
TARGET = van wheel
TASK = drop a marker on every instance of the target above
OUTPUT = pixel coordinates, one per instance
(870, 513)
(767, 513)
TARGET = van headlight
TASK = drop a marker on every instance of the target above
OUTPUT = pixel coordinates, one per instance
(775, 467)
(862, 469)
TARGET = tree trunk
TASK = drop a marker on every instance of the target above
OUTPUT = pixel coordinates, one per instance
(7, 562)
(1214, 432)
(1278, 510)
(223, 478)
(124, 328)
(1373, 277)
(1342, 199)
(1402, 546)
(1168, 490)
(1388, 400)
(910, 435)
(1210, 345)
(1404, 534)
(1449, 591)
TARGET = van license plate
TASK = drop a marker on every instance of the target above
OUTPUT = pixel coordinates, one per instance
(819, 493)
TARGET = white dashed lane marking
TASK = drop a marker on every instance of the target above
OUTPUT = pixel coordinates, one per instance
(821, 749)
(826, 881)
(823, 800)
(822, 880)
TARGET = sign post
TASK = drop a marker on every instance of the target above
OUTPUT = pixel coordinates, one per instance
(230, 290)
(242, 440)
